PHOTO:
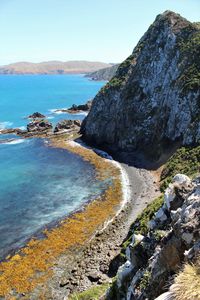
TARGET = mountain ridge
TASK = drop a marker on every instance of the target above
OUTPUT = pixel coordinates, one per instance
(53, 67)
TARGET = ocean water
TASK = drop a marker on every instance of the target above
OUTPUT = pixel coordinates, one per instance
(22, 95)
(40, 184)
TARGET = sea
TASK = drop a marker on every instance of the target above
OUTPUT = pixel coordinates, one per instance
(40, 185)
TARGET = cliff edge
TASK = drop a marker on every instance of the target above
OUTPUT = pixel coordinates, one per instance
(154, 98)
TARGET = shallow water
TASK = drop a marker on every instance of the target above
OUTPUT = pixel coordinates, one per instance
(40, 184)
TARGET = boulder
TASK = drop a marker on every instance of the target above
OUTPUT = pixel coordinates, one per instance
(36, 115)
(83, 107)
(66, 125)
(39, 126)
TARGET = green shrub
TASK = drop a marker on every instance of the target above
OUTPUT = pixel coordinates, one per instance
(93, 293)
(141, 223)
(186, 160)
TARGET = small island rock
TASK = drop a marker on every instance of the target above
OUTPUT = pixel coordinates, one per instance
(36, 115)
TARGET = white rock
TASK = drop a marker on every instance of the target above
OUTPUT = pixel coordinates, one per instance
(182, 179)
(169, 195)
(160, 215)
(165, 296)
(135, 238)
(123, 271)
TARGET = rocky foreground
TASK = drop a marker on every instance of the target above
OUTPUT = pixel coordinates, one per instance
(172, 237)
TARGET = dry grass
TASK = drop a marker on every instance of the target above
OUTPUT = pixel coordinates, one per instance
(187, 283)
(33, 265)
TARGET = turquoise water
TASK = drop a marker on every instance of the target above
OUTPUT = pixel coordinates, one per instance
(22, 95)
(39, 184)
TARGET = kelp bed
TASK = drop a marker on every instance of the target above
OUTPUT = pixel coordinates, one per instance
(33, 264)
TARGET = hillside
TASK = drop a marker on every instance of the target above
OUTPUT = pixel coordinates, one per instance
(153, 100)
(104, 74)
(53, 67)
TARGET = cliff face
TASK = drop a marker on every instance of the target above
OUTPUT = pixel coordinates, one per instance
(154, 96)
(171, 238)
(103, 74)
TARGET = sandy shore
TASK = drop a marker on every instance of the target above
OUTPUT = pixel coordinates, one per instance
(97, 262)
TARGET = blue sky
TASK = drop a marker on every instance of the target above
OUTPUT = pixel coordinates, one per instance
(95, 30)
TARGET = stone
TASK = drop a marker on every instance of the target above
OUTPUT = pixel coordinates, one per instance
(39, 126)
(182, 179)
(36, 115)
(66, 125)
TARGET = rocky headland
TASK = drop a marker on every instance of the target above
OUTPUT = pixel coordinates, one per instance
(104, 74)
(152, 102)
(147, 117)
(150, 111)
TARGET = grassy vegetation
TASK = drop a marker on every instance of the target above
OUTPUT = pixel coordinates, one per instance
(145, 280)
(121, 74)
(93, 293)
(189, 45)
(141, 223)
(187, 283)
(185, 160)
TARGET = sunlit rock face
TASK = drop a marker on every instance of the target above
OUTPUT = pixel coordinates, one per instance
(154, 98)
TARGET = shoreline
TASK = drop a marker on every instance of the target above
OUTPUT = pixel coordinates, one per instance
(118, 212)
(73, 269)
(25, 256)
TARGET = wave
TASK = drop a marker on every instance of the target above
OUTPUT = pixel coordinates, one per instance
(13, 142)
(4, 125)
(22, 127)
(56, 111)
(83, 113)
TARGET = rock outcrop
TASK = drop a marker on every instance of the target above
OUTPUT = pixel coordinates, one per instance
(154, 258)
(81, 107)
(66, 125)
(153, 100)
(74, 109)
(104, 74)
(36, 115)
(39, 126)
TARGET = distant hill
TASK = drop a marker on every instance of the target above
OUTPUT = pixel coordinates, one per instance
(103, 74)
(53, 67)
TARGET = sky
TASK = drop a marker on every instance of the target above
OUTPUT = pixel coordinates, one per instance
(94, 30)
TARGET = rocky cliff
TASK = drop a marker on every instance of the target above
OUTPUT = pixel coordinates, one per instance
(156, 251)
(104, 74)
(154, 98)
